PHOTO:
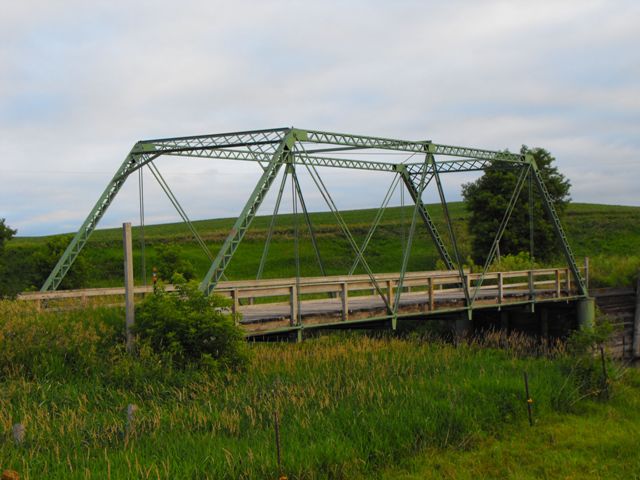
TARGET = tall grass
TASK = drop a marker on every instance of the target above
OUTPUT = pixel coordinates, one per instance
(349, 404)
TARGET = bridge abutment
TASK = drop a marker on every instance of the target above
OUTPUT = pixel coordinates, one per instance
(586, 312)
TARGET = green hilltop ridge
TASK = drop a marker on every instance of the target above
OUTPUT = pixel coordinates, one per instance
(608, 234)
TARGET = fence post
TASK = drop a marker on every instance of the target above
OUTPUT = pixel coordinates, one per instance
(130, 426)
(128, 284)
(432, 302)
(500, 288)
(586, 272)
(345, 302)
(236, 304)
(19, 433)
(558, 283)
(390, 297)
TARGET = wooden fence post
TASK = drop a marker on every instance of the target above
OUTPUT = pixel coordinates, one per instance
(19, 433)
(128, 284)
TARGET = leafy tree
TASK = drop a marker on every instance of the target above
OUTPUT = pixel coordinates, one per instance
(170, 261)
(488, 197)
(6, 234)
(7, 287)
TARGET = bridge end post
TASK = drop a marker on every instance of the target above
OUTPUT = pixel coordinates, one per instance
(586, 312)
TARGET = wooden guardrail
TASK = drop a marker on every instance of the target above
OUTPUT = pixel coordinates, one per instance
(497, 287)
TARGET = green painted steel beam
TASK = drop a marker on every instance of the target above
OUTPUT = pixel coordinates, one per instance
(549, 207)
(446, 166)
(416, 194)
(247, 215)
(253, 137)
(274, 136)
(79, 240)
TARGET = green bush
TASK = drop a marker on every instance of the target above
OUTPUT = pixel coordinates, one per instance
(170, 260)
(190, 328)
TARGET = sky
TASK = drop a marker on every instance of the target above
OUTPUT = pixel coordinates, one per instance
(81, 82)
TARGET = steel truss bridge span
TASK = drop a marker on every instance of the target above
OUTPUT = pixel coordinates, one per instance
(289, 149)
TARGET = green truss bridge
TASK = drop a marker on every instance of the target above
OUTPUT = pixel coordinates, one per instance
(300, 303)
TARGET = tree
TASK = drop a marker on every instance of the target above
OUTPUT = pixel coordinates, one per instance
(7, 287)
(6, 234)
(488, 197)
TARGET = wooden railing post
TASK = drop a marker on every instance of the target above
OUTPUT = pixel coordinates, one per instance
(432, 302)
(500, 288)
(568, 282)
(236, 304)
(345, 302)
(293, 302)
(558, 283)
(586, 272)
(532, 292)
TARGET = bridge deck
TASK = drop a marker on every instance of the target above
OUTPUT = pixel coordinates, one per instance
(274, 305)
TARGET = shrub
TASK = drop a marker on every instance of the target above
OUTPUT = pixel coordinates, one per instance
(170, 260)
(190, 328)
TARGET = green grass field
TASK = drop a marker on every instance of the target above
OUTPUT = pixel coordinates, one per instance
(609, 235)
(350, 406)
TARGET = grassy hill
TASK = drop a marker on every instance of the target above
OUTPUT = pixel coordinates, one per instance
(609, 235)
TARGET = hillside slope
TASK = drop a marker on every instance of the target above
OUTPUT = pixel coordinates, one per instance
(609, 235)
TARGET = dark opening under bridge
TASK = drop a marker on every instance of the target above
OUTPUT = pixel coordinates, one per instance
(286, 151)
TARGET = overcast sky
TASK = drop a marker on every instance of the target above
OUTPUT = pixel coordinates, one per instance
(81, 81)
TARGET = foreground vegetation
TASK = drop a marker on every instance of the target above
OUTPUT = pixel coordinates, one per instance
(349, 405)
(599, 442)
(607, 234)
